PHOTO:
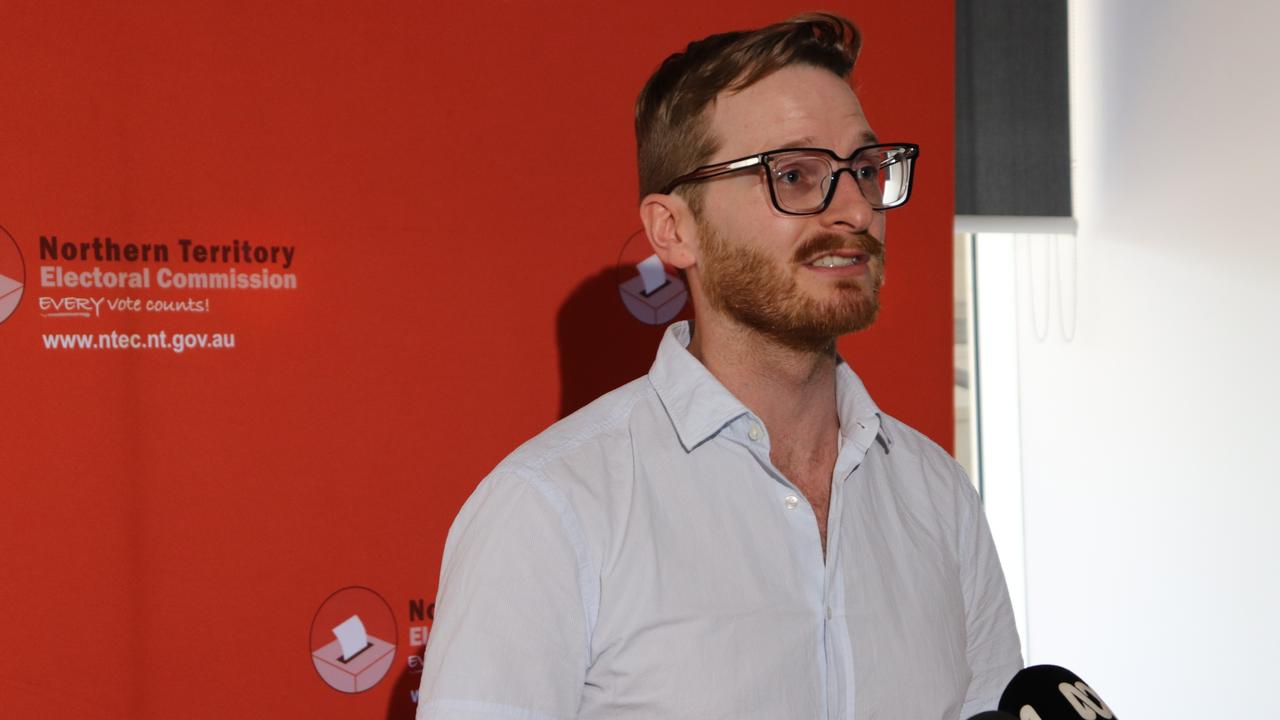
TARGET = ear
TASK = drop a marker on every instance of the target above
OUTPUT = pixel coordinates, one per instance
(669, 224)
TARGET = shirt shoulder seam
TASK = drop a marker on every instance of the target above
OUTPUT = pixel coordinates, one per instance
(535, 462)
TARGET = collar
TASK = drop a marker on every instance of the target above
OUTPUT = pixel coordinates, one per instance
(700, 407)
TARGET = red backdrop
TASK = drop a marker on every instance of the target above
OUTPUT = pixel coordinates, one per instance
(456, 182)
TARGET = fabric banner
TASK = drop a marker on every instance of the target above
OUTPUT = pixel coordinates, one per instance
(281, 282)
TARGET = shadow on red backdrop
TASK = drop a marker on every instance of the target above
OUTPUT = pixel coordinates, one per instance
(601, 345)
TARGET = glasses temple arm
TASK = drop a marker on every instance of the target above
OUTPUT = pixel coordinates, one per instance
(710, 171)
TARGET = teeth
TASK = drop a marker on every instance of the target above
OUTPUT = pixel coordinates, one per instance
(836, 261)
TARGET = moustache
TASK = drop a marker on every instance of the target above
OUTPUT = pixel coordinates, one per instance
(830, 242)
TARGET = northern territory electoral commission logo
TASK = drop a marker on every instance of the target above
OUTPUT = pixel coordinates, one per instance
(13, 274)
(353, 639)
(354, 647)
(650, 290)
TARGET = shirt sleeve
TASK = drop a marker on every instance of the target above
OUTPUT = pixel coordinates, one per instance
(994, 651)
(509, 638)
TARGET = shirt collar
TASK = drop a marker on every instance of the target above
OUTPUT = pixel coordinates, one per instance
(860, 420)
(700, 407)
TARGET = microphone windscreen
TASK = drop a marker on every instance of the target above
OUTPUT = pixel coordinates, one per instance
(1049, 692)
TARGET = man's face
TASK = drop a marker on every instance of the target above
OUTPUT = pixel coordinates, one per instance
(771, 272)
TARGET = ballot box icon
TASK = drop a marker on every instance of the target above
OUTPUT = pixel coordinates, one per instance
(653, 295)
(353, 639)
(13, 272)
(10, 294)
(354, 661)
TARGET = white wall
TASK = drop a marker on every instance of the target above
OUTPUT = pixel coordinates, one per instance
(1150, 442)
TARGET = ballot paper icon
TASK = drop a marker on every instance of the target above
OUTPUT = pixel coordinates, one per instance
(354, 661)
(10, 294)
(653, 295)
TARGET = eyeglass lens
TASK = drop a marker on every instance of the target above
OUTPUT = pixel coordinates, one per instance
(801, 180)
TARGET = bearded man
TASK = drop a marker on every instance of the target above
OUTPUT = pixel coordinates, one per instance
(741, 533)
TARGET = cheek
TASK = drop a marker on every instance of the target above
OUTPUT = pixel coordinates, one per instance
(744, 199)
(743, 217)
(878, 227)
(773, 238)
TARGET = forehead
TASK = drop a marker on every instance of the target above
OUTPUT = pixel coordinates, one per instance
(797, 105)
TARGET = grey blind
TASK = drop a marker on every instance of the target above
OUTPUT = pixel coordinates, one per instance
(1012, 134)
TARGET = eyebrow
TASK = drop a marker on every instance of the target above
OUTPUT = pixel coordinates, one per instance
(866, 137)
(805, 141)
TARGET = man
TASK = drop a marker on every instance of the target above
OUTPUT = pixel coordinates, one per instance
(742, 533)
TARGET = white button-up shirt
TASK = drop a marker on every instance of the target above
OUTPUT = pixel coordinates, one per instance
(643, 558)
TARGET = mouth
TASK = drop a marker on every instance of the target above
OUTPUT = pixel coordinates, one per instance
(839, 258)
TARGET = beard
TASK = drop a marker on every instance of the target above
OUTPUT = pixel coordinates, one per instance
(749, 287)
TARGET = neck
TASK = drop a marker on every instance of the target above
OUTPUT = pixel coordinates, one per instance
(791, 390)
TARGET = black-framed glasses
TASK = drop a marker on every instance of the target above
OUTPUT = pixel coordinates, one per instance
(802, 181)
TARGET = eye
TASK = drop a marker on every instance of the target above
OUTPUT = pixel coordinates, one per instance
(799, 173)
(872, 166)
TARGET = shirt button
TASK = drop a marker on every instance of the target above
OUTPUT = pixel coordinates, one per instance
(828, 613)
(755, 433)
(791, 501)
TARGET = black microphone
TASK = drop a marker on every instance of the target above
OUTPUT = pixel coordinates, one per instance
(994, 715)
(1049, 692)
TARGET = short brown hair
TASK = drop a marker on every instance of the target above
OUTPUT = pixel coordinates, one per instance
(672, 128)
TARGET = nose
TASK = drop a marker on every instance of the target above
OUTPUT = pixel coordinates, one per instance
(847, 205)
